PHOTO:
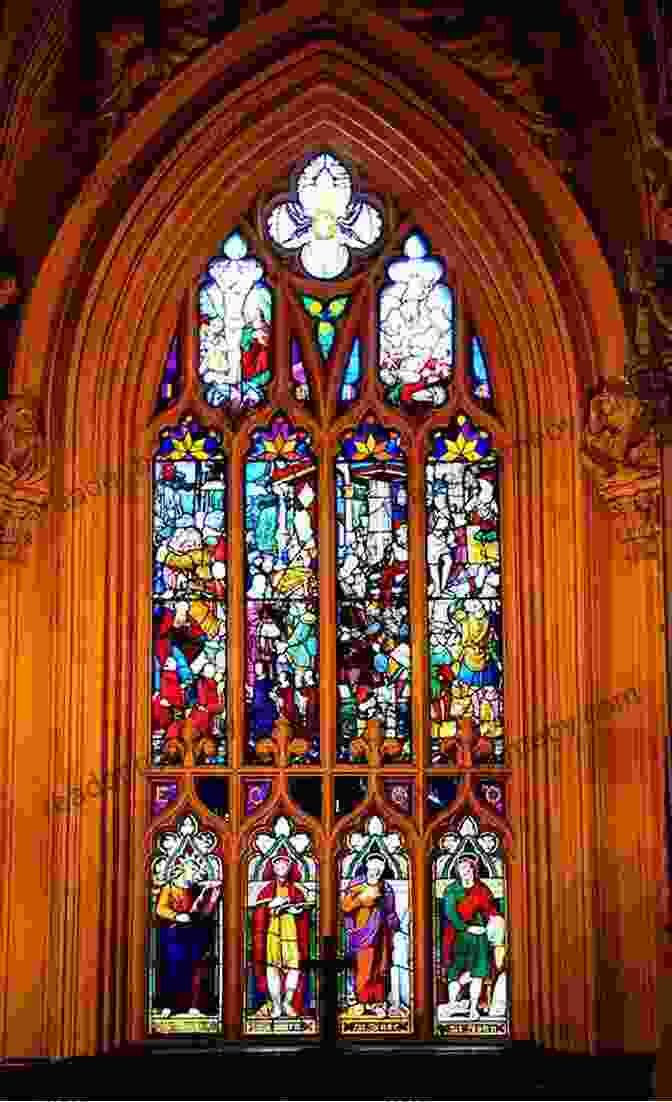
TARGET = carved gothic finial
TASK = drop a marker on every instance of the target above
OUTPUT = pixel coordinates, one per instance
(23, 473)
(374, 746)
(282, 744)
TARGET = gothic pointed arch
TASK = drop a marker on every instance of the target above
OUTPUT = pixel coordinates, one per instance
(113, 291)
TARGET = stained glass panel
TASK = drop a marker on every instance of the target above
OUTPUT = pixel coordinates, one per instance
(470, 933)
(186, 947)
(255, 794)
(171, 382)
(479, 371)
(416, 330)
(324, 221)
(325, 315)
(235, 305)
(349, 792)
(190, 632)
(352, 375)
(464, 591)
(400, 794)
(376, 993)
(373, 636)
(281, 931)
(164, 793)
(441, 792)
(299, 374)
(282, 604)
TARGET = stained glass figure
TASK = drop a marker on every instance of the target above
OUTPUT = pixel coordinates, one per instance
(282, 927)
(307, 793)
(480, 378)
(376, 994)
(299, 374)
(352, 375)
(164, 793)
(373, 636)
(282, 604)
(400, 794)
(416, 330)
(441, 792)
(325, 315)
(470, 933)
(324, 221)
(348, 793)
(186, 950)
(464, 591)
(171, 382)
(235, 305)
(214, 793)
(255, 793)
(190, 627)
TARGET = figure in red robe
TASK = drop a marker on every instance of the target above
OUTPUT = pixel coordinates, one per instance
(280, 938)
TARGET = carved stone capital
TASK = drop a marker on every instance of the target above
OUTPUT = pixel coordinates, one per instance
(620, 451)
(24, 487)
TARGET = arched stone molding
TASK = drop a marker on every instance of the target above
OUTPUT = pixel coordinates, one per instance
(94, 340)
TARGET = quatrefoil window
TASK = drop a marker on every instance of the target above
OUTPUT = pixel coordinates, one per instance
(324, 219)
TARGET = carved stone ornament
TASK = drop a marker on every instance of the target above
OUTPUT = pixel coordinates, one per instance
(135, 69)
(488, 57)
(649, 368)
(24, 485)
(620, 450)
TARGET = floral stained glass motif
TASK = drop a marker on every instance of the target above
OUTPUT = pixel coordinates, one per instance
(373, 638)
(186, 941)
(282, 605)
(255, 793)
(416, 330)
(470, 934)
(479, 371)
(352, 375)
(299, 374)
(189, 598)
(399, 793)
(324, 221)
(282, 926)
(235, 305)
(325, 316)
(464, 588)
(376, 993)
(170, 386)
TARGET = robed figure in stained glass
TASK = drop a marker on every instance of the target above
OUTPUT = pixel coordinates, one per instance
(280, 937)
(473, 939)
(184, 910)
(371, 920)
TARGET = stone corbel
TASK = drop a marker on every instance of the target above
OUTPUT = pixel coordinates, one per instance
(620, 451)
(24, 486)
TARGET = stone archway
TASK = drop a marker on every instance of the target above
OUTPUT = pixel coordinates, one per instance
(93, 343)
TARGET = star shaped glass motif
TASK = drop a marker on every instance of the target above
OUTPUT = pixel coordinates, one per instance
(324, 220)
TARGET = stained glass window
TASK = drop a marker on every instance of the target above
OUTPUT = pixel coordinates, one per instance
(376, 992)
(186, 908)
(281, 925)
(327, 680)
(282, 606)
(373, 637)
(416, 329)
(189, 687)
(464, 600)
(235, 327)
(470, 933)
